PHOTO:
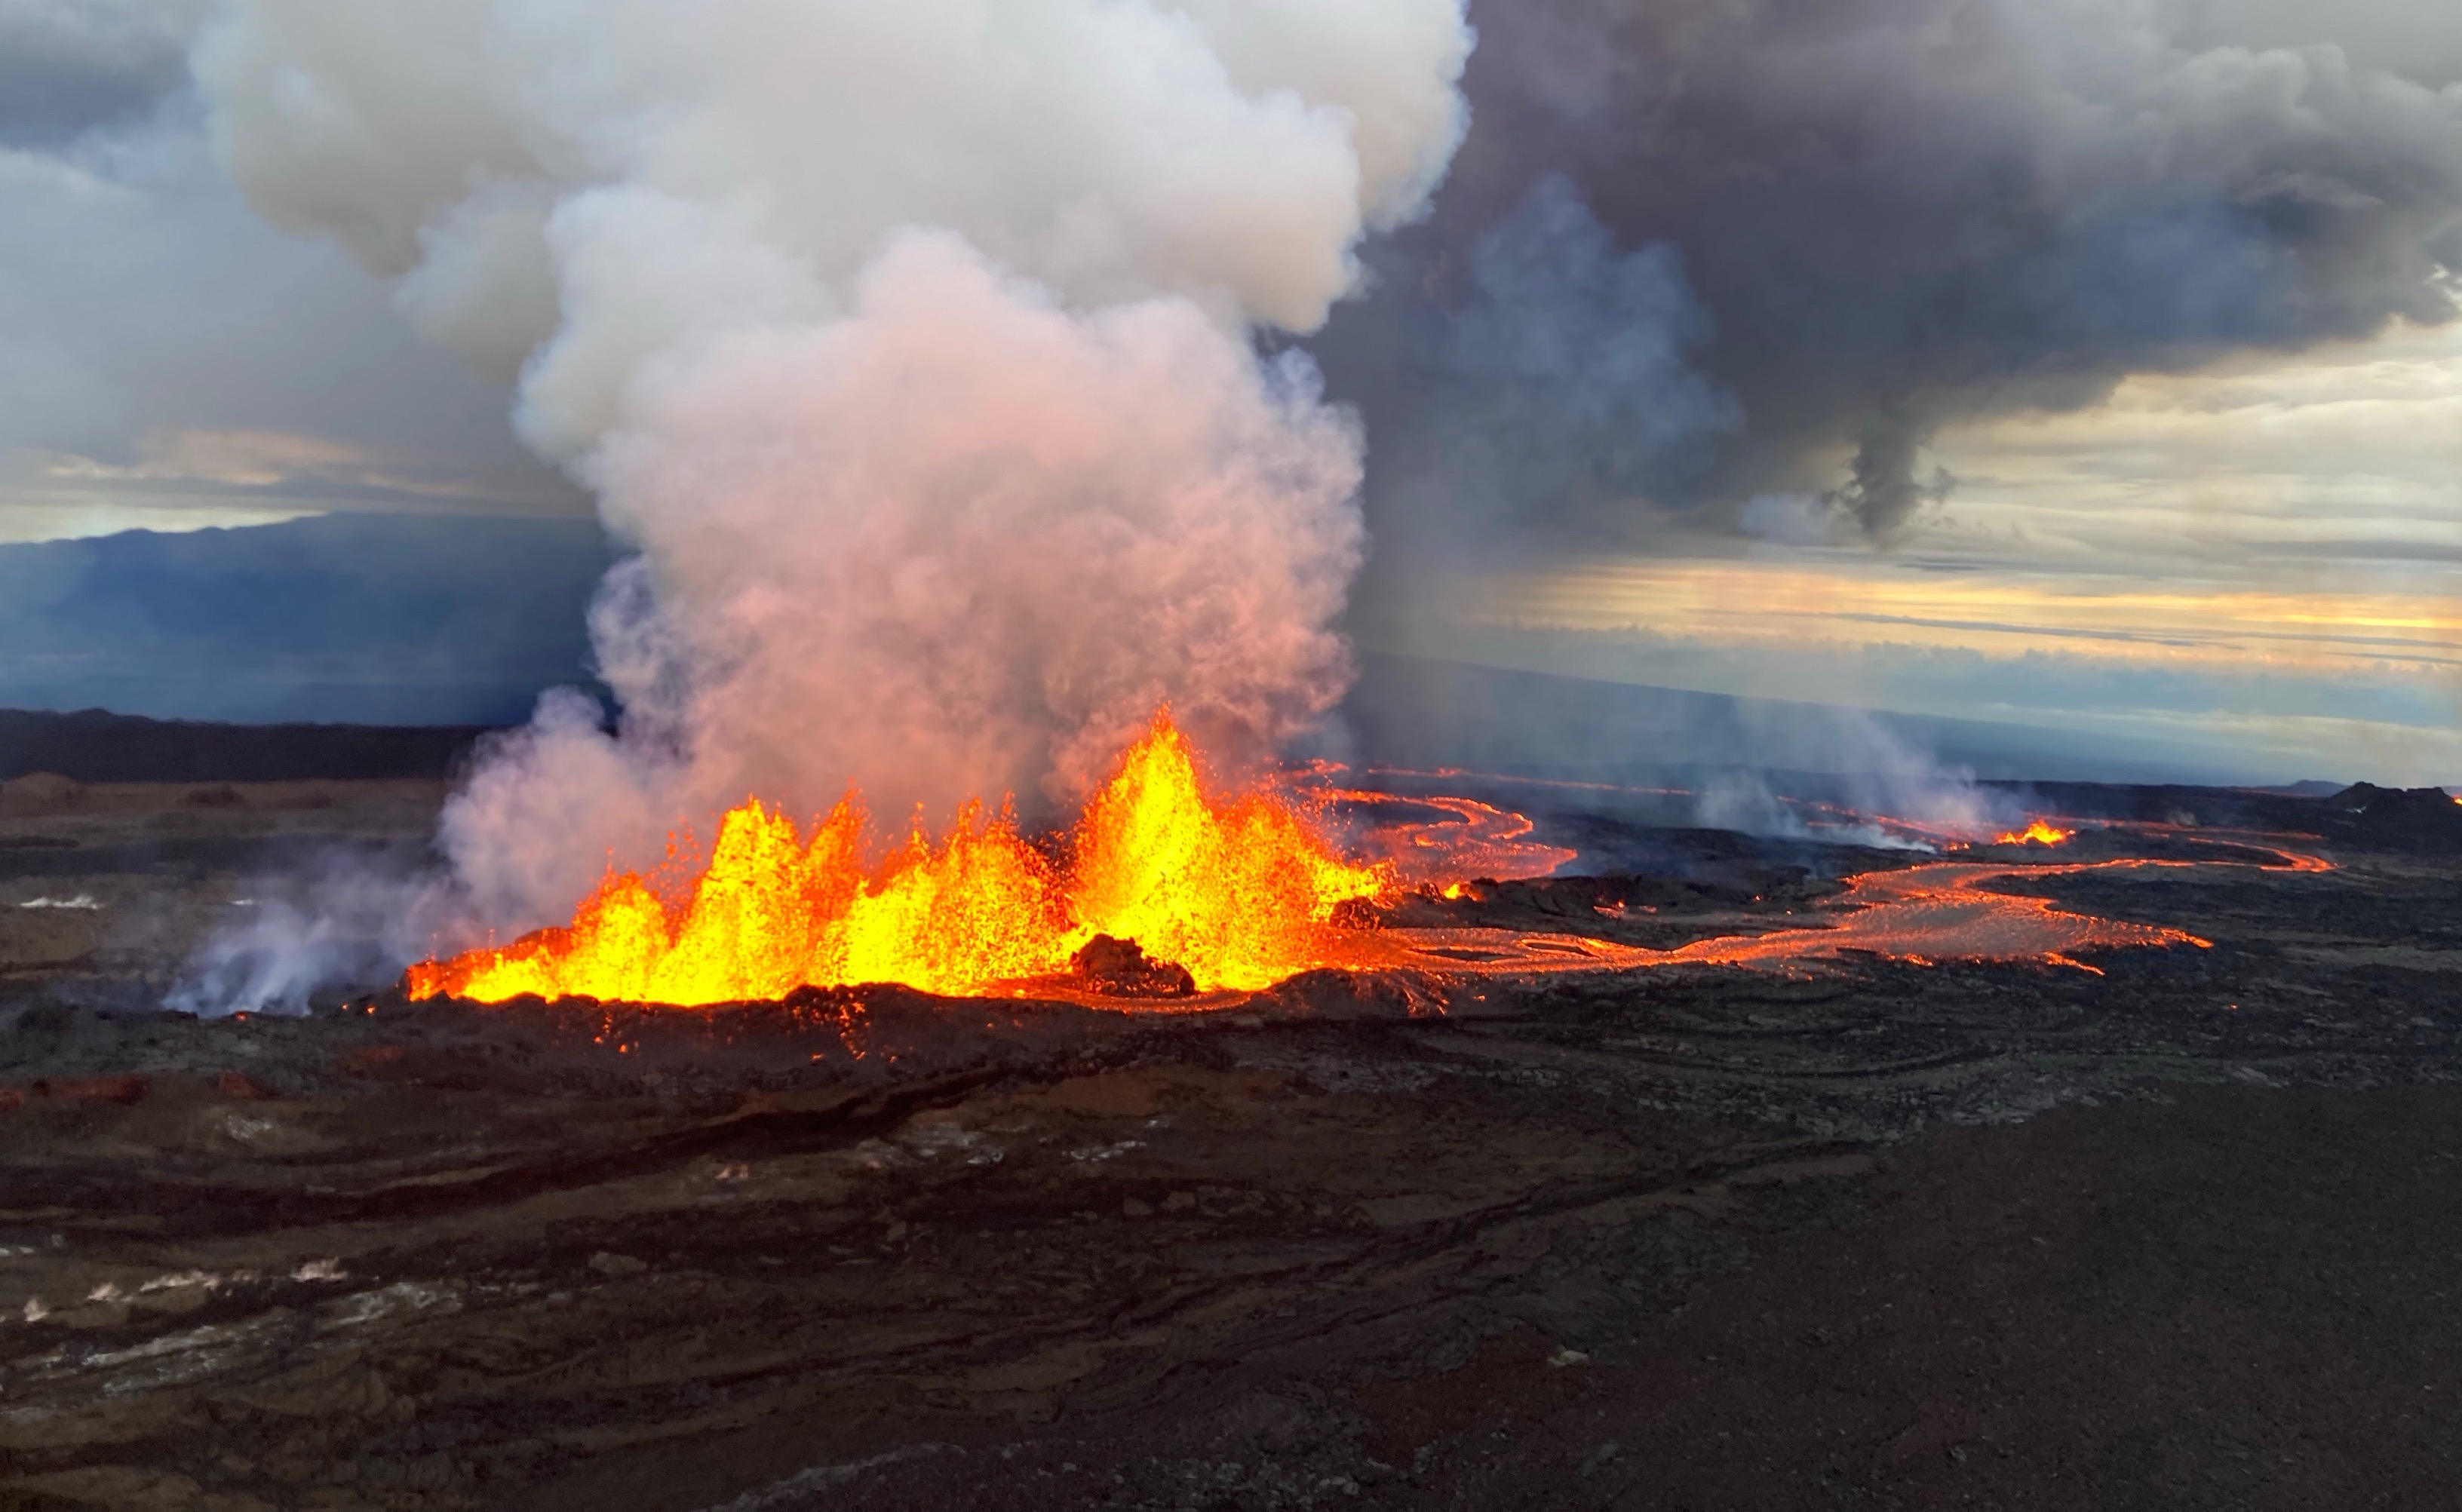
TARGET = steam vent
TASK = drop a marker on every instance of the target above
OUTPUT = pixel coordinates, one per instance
(1230, 755)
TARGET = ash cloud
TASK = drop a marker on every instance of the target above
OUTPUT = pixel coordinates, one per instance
(69, 66)
(1563, 378)
(1889, 214)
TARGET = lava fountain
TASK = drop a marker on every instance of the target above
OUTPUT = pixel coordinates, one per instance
(1240, 891)
(1244, 892)
(2038, 831)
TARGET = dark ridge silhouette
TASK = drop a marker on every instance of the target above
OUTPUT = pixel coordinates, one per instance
(95, 745)
(2402, 818)
(346, 619)
(1405, 711)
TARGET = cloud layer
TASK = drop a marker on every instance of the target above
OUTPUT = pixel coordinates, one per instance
(169, 359)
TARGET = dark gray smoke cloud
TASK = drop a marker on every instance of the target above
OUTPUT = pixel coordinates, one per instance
(1872, 217)
(1563, 374)
(70, 65)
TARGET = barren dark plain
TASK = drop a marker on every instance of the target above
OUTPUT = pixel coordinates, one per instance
(2178, 1231)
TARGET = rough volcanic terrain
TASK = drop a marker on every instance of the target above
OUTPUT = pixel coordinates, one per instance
(2176, 1231)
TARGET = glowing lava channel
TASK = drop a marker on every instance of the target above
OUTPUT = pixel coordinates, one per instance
(1241, 892)
(1462, 838)
(1942, 912)
(1923, 915)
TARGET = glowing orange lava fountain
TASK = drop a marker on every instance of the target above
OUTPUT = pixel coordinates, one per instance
(2038, 831)
(1241, 892)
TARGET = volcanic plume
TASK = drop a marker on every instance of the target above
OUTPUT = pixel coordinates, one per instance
(909, 345)
(1739, 260)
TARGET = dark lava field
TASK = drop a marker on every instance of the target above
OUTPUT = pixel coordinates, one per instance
(1858, 1233)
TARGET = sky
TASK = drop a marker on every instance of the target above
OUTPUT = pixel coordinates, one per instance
(2258, 564)
(2178, 460)
(168, 361)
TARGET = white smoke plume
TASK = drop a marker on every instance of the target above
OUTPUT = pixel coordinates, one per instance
(1876, 776)
(343, 919)
(911, 344)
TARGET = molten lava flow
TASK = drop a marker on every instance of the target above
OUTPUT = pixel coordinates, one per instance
(1436, 840)
(2039, 832)
(1241, 892)
(1923, 915)
(1944, 911)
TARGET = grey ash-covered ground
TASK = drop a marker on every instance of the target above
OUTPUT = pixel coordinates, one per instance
(1870, 1234)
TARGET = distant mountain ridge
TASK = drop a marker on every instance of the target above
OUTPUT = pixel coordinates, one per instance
(457, 622)
(92, 745)
(370, 618)
(1405, 712)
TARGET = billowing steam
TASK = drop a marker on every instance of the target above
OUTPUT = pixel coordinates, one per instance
(910, 344)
